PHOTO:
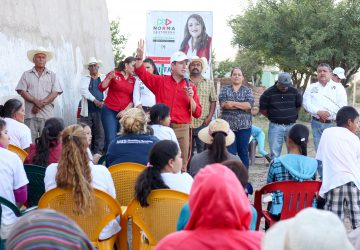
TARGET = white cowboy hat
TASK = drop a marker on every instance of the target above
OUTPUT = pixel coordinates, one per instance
(203, 62)
(310, 229)
(217, 125)
(92, 60)
(39, 50)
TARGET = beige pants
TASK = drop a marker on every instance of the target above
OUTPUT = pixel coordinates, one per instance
(36, 126)
(183, 137)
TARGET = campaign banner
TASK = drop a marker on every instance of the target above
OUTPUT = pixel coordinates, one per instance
(171, 31)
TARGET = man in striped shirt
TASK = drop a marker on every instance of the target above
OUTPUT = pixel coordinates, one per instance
(280, 104)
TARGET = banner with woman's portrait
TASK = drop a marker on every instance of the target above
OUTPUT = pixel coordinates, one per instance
(171, 31)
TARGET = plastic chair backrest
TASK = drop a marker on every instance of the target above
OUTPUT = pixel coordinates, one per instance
(13, 208)
(124, 176)
(104, 210)
(36, 186)
(160, 217)
(20, 152)
(297, 196)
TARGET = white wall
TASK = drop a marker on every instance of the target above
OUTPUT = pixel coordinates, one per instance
(73, 29)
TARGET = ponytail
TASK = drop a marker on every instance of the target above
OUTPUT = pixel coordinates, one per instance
(217, 150)
(121, 65)
(299, 134)
(150, 178)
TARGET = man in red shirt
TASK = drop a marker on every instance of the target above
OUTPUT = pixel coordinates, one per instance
(180, 95)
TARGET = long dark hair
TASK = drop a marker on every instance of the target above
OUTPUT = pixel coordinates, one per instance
(128, 60)
(299, 134)
(150, 178)
(202, 41)
(50, 132)
(217, 150)
(149, 60)
(2, 125)
(10, 108)
(159, 112)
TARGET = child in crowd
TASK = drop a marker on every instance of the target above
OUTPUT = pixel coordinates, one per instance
(160, 122)
(88, 134)
(259, 136)
(76, 172)
(163, 171)
(13, 182)
(339, 151)
(294, 166)
(47, 147)
(220, 215)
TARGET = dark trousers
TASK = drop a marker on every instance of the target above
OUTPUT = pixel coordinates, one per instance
(97, 130)
(241, 145)
(196, 142)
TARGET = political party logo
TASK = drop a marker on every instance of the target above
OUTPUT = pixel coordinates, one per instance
(163, 30)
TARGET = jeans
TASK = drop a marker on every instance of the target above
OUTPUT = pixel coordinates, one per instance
(196, 142)
(317, 130)
(111, 125)
(259, 136)
(277, 135)
(93, 120)
(241, 145)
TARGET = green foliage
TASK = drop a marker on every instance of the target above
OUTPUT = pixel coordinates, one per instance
(297, 35)
(223, 67)
(251, 64)
(118, 41)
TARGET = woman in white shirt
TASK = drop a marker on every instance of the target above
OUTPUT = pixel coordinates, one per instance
(160, 122)
(143, 98)
(77, 172)
(13, 112)
(163, 172)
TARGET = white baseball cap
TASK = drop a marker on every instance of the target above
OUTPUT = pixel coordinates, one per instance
(340, 72)
(178, 56)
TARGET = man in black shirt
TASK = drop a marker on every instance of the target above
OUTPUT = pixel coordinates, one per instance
(280, 104)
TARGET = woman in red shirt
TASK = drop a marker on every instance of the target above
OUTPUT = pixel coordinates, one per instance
(120, 85)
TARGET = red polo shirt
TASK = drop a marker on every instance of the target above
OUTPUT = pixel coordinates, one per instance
(120, 92)
(171, 93)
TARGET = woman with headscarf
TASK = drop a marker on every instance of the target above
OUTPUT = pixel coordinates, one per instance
(220, 215)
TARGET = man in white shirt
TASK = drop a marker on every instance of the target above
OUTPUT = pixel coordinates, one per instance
(339, 151)
(91, 104)
(322, 100)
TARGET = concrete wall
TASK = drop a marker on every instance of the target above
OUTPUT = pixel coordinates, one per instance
(73, 29)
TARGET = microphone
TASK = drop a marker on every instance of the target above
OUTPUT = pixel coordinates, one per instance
(186, 78)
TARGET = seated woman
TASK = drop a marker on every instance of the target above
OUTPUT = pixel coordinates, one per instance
(217, 136)
(163, 171)
(88, 134)
(75, 171)
(47, 148)
(220, 215)
(13, 113)
(294, 166)
(133, 144)
(13, 181)
(241, 173)
(160, 122)
(45, 228)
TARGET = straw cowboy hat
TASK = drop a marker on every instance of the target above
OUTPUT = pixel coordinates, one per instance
(203, 62)
(92, 60)
(310, 229)
(39, 50)
(217, 125)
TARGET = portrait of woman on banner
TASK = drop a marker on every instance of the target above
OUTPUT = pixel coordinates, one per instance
(196, 40)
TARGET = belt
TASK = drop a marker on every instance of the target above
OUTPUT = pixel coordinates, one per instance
(179, 125)
(283, 124)
(322, 121)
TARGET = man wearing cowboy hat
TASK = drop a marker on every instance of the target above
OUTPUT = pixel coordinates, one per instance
(207, 96)
(39, 87)
(91, 104)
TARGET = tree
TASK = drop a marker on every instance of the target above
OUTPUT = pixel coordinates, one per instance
(118, 41)
(297, 35)
(251, 64)
(223, 67)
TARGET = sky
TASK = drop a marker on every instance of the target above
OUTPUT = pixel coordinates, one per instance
(132, 16)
